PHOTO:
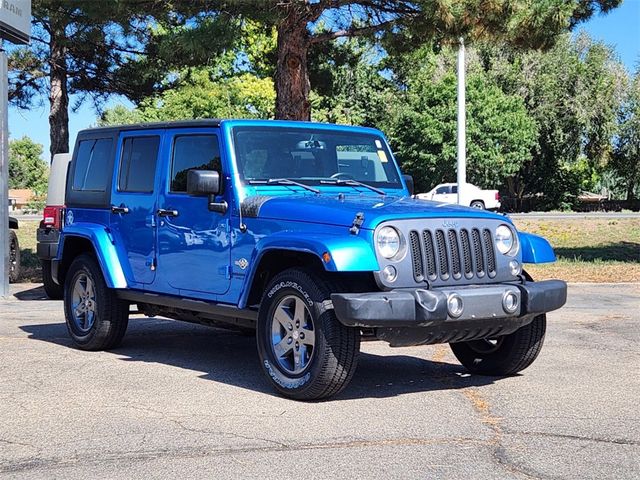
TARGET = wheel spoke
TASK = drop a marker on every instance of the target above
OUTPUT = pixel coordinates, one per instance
(283, 318)
(309, 337)
(298, 315)
(282, 348)
(78, 310)
(89, 290)
(297, 359)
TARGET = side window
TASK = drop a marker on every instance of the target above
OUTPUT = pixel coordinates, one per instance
(193, 152)
(138, 164)
(92, 162)
(442, 190)
(454, 189)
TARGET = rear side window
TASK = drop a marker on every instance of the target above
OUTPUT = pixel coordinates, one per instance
(193, 152)
(92, 164)
(138, 164)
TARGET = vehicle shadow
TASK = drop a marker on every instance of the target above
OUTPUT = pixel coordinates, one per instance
(35, 293)
(231, 358)
(620, 251)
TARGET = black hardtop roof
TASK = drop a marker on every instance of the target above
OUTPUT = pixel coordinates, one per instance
(205, 122)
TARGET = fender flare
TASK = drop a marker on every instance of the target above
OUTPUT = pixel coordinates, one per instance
(535, 249)
(104, 248)
(354, 254)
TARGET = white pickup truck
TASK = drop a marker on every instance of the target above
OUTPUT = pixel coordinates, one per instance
(472, 196)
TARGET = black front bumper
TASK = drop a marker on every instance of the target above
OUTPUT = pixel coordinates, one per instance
(421, 316)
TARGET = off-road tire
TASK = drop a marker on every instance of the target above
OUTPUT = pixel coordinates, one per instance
(111, 314)
(336, 348)
(479, 204)
(14, 257)
(51, 288)
(515, 352)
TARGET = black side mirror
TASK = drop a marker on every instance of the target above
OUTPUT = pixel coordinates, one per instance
(408, 179)
(203, 182)
(206, 182)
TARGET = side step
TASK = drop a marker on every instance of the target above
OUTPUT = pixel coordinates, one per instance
(220, 310)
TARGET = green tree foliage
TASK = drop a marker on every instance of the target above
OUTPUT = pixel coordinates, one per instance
(199, 95)
(571, 93)
(26, 167)
(422, 127)
(626, 157)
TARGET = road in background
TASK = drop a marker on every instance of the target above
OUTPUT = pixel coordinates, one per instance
(184, 401)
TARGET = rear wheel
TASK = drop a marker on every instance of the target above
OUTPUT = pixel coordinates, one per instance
(477, 204)
(14, 257)
(504, 355)
(305, 352)
(96, 318)
(51, 288)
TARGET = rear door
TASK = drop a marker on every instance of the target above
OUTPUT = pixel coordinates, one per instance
(134, 204)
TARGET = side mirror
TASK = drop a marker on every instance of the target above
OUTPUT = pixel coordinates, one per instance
(408, 179)
(206, 182)
(203, 182)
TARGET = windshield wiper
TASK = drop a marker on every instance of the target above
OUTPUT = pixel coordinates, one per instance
(354, 183)
(284, 181)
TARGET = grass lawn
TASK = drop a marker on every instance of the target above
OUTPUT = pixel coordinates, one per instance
(588, 249)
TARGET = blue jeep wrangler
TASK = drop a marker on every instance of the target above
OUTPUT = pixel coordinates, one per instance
(306, 233)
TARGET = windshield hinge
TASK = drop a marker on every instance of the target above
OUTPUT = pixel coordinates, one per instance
(357, 223)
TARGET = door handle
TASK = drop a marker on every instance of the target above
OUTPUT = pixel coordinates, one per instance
(167, 212)
(120, 209)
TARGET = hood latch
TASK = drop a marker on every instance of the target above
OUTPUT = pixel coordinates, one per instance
(357, 223)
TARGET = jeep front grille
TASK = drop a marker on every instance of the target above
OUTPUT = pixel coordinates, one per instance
(452, 253)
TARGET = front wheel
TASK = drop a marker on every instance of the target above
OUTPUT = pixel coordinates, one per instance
(305, 352)
(96, 318)
(504, 355)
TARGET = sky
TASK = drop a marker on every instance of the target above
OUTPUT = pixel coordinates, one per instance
(620, 29)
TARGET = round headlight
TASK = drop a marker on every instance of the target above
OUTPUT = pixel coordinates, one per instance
(505, 242)
(388, 242)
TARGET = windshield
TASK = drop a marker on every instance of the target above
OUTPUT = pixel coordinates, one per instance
(313, 156)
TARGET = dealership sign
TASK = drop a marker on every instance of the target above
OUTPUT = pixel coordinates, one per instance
(15, 20)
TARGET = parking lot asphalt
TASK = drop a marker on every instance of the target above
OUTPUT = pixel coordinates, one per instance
(182, 401)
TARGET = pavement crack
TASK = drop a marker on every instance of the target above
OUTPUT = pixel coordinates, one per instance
(615, 441)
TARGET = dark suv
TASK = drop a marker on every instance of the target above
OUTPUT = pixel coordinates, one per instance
(305, 232)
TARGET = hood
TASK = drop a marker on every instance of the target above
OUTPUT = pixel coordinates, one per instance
(341, 211)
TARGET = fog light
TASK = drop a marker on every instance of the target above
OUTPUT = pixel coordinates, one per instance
(516, 268)
(510, 302)
(389, 273)
(455, 305)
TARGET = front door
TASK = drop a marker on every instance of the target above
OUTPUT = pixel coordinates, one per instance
(193, 243)
(134, 203)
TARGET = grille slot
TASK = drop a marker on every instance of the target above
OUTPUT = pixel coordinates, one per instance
(455, 254)
(466, 253)
(477, 250)
(491, 258)
(416, 256)
(452, 253)
(430, 255)
(443, 260)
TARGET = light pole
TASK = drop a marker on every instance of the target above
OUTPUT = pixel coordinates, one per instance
(15, 26)
(462, 138)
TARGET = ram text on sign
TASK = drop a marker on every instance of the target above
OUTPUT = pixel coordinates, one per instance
(15, 20)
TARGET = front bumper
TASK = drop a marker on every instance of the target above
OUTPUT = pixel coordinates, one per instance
(418, 316)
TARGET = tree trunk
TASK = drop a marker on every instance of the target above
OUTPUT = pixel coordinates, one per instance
(58, 94)
(292, 74)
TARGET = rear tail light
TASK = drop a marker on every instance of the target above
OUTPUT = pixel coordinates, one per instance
(52, 216)
(497, 196)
